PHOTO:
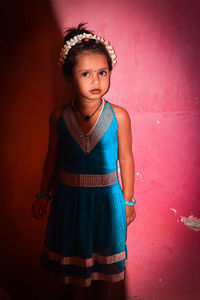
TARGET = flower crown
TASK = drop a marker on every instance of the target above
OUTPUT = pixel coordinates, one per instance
(77, 39)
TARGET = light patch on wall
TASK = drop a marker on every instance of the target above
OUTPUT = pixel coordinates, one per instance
(196, 99)
(138, 176)
(192, 222)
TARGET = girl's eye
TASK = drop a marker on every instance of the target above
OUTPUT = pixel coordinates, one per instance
(85, 74)
(102, 73)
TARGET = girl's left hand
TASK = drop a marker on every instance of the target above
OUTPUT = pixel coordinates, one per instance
(130, 214)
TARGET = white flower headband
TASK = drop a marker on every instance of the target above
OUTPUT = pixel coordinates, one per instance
(77, 39)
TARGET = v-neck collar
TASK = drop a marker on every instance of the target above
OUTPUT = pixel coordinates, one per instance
(88, 141)
(95, 124)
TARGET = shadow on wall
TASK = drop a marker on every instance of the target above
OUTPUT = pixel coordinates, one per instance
(32, 86)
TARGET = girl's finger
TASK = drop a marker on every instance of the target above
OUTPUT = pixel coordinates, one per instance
(36, 212)
(44, 210)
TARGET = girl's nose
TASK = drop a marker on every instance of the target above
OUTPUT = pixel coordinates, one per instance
(95, 79)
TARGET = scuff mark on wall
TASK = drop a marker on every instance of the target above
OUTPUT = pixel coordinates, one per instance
(137, 298)
(192, 222)
(173, 209)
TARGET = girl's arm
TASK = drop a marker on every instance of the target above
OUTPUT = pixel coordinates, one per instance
(126, 161)
(50, 167)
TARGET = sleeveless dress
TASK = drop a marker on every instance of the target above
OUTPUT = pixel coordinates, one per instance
(86, 230)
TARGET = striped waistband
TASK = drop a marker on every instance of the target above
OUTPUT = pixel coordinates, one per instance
(87, 180)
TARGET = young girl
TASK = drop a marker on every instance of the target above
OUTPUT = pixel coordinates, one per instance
(87, 224)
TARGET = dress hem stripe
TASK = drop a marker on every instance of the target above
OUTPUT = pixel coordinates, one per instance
(85, 262)
(94, 276)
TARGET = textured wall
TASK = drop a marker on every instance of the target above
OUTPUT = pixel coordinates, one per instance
(157, 80)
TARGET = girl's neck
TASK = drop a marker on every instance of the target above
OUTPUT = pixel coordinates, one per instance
(87, 105)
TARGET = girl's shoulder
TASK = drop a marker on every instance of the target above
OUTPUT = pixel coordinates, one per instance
(121, 113)
(56, 113)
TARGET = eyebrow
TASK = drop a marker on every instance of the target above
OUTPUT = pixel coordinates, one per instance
(86, 70)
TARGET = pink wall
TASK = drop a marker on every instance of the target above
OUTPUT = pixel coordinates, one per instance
(157, 80)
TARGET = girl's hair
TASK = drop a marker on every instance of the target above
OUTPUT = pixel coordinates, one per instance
(90, 45)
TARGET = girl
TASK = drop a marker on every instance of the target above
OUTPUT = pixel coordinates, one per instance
(87, 224)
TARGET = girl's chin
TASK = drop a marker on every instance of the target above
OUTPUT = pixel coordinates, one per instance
(91, 97)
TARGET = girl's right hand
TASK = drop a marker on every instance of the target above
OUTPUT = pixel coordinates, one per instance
(39, 208)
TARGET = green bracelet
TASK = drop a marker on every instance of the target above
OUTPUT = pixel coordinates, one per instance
(132, 202)
(41, 195)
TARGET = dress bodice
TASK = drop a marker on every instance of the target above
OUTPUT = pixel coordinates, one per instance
(92, 153)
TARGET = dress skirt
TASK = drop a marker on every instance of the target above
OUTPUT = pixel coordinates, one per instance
(86, 233)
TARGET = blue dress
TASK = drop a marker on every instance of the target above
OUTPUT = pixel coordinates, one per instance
(86, 230)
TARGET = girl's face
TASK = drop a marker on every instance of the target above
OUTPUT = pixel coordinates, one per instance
(91, 76)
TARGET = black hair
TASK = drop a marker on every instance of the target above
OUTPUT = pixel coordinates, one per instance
(90, 45)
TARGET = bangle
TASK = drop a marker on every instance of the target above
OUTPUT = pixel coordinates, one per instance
(132, 202)
(41, 195)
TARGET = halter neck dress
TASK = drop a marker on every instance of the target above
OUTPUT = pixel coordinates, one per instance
(86, 229)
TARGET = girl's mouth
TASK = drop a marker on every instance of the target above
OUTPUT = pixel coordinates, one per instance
(95, 91)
